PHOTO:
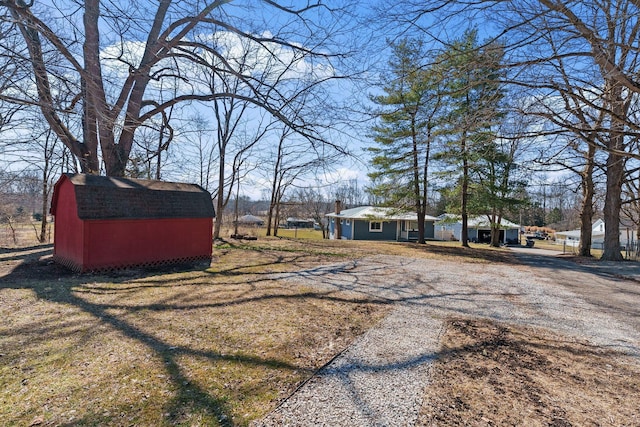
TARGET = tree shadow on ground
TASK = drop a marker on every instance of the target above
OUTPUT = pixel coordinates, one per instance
(53, 283)
(475, 253)
(4, 250)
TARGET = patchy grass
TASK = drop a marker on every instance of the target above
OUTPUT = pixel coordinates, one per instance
(300, 233)
(494, 374)
(152, 347)
(222, 346)
(177, 347)
(476, 253)
(22, 234)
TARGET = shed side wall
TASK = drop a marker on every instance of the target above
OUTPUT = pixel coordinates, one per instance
(68, 229)
(120, 243)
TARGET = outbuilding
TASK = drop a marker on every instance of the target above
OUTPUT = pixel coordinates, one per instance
(293, 222)
(104, 223)
(449, 227)
(250, 221)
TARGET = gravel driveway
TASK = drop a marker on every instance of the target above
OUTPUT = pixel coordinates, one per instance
(379, 380)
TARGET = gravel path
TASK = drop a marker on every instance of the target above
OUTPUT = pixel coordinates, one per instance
(379, 380)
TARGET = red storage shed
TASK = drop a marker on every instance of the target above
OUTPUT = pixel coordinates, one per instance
(104, 223)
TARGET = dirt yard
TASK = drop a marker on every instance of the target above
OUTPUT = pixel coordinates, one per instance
(493, 374)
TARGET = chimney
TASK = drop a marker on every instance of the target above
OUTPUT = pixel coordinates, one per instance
(338, 228)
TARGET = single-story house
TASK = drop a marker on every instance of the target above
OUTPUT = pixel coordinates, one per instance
(378, 223)
(571, 238)
(104, 223)
(449, 227)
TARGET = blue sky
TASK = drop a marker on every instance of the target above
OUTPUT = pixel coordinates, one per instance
(363, 33)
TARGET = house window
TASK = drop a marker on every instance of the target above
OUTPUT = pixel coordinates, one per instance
(375, 226)
(342, 221)
(411, 225)
(348, 222)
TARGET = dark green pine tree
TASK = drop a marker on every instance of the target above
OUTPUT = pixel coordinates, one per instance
(407, 118)
(497, 189)
(472, 111)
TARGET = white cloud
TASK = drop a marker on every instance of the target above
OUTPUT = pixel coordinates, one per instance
(266, 61)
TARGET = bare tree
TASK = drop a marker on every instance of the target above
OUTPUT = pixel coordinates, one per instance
(198, 147)
(601, 44)
(117, 56)
(349, 192)
(293, 164)
(572, 129)
(234, 139)
(150, 151)
(36, 154)
(11, 75)
(315, 205)
(51, 150)
(631, 193)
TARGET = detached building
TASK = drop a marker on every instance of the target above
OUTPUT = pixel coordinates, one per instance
(293, 222)
(449, 227)
(104, 223)
(250, 221)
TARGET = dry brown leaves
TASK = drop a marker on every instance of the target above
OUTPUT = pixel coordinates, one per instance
(494, 374)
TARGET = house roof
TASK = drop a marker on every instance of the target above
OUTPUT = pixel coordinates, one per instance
(250, 219)
(103, 197)
(480, 221)
(376, 212)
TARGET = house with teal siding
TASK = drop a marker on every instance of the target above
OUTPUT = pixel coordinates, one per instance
(378, 223)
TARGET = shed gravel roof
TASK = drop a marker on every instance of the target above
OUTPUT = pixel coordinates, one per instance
(104, 197)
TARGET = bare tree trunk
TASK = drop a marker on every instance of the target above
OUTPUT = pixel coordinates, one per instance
(615, 175)
(495, 221)
(419, 205)
(465, 188)
(337, 226)
(586, 210)
(272, 204)
(45, 198)
(235, 210)
(425, 190)
(612, 205)
(276, 220)
(276, 188)
(421, 216)
(269, 218)
(12, 227)
(220, 197)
